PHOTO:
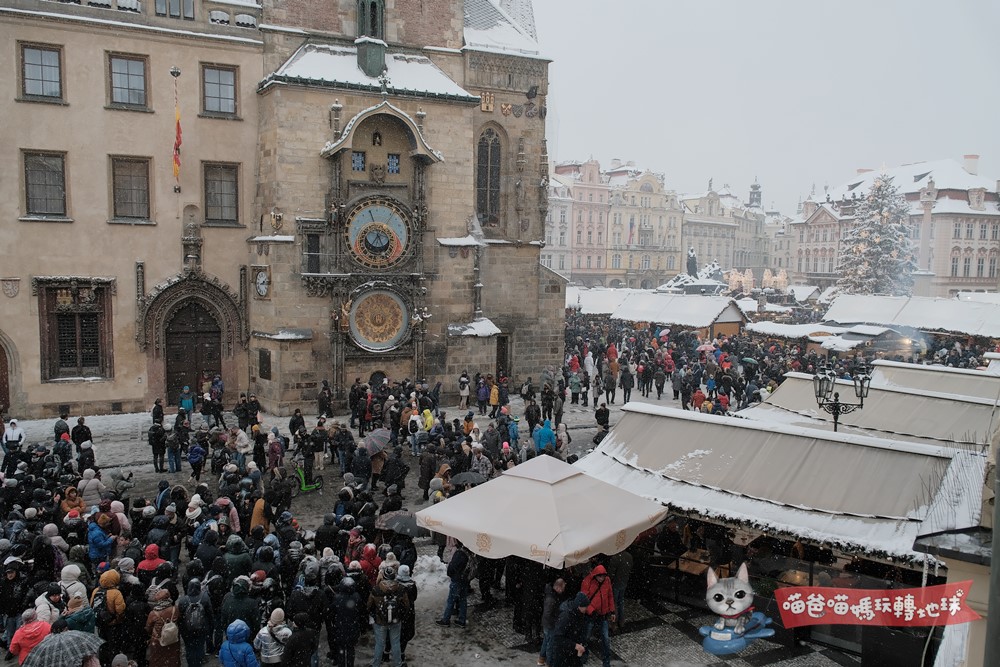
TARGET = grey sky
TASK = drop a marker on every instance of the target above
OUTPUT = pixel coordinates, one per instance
(791, 92)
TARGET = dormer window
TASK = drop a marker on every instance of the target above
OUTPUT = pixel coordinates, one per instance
(371, 19)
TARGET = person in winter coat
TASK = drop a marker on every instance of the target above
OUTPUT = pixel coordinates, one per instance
(87, 458)
(387, 604)
(91, 488)
(99, 540)
(570, 633)
(238, 605)
(362, 468)
(458, 588)
(28, 636)
(270, 641)
(238, 560)
(72, 501)
(409, 629)
(163, 612)
(345, 610)
(196, 621)
(108, 596)
(236, 651)
(49, 605)
(302, 644)
(147, 566)
(554, 596)
(79, 616)
(601, 610)
(70, 581)
(51, 531)
(544, 437)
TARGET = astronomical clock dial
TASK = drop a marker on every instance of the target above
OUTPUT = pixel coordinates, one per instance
(379, 320)
(378, 233)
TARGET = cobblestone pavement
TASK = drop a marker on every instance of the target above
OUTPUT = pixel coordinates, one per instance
(656, 633)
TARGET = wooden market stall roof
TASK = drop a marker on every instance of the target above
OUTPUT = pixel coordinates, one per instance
(693, 311)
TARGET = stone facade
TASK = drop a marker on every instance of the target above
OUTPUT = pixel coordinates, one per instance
(241, 266)
(113, 256)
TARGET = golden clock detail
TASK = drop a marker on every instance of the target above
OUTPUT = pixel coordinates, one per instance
(378, 232)
(379, 320)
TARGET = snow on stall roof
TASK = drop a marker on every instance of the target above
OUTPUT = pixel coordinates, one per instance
(681, 309)
(597, 300)
(481, 327)
(793, 330)
(984, 297)
(339, 64)
(961, 382)
(749, 307)
(868, 330)
(828, 295)
(803, 292)
(489, 28)
(837, 343)
(460, 241)
(924, 313)
(893, 488)
(915, 414)
(130, 25)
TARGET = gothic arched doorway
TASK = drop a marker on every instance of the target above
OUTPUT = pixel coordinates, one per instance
(193, 346)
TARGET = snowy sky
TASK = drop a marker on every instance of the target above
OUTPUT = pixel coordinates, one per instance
(790, 92)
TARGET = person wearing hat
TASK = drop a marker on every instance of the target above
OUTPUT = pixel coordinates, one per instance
(569, 636)
(302, 643)
(49, 605)
(236, 651)
(99, 540)
(79, 616)
(459, 569)
(388, 604)
(270, 641)
(11, 442)
(409, 629)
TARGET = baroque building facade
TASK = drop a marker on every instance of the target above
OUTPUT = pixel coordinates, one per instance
(357, 182)
(954, 226)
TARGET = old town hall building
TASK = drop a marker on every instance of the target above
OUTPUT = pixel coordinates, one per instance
(281, 194)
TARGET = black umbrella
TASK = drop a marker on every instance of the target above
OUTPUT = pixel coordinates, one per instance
(467, 478)
(401, 522)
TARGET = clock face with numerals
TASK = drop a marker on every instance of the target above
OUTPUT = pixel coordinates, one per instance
(377, 233)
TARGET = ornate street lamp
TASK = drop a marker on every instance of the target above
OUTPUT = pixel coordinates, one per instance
(824, 383)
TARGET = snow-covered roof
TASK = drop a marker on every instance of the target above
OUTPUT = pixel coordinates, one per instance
(460, 241)
(984, 297)
(338, 65)
(749, 307)
(803, 293)
(793, 330)
(828, 295)
(973, 318)
(481, 327)
(685, 310)
(920, 415)
(910, 178)
(597, 300)
(837, 343)
(489, 27)
(861, 494)
(949, 205)
(945, 379)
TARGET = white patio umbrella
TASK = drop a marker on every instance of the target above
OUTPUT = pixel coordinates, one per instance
(544, 510)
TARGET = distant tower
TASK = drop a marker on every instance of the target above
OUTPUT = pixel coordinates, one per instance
(755, 194)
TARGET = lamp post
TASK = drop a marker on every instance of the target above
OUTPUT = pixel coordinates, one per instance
(824, 383)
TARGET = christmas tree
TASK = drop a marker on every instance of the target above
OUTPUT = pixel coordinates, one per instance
(875, 254)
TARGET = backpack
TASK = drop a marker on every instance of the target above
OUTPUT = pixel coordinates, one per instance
(100, 606)
(390, 606)
(196, 620)
(170, 634)
(199, 532)
(524, 389)
(413, 426)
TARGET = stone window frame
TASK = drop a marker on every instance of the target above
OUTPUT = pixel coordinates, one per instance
(23, 94)
(112, 57)
(118, 181)
(206, 112)
(84, 302)
(175, 9)
(206, 168)
(28, 158)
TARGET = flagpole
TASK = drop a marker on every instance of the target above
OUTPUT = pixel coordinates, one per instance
(175, 72)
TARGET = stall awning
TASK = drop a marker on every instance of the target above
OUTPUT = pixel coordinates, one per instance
(861, 494)
(933, 417)
(943, 379)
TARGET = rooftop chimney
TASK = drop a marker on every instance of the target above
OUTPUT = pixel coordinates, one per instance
(972, 164)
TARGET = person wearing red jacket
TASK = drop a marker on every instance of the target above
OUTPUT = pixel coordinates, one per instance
(147, 566)
(601, 610)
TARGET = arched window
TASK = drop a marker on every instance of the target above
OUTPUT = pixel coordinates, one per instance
(488, 178)
(371, 18)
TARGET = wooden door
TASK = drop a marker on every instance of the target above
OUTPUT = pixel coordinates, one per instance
(194, 344)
